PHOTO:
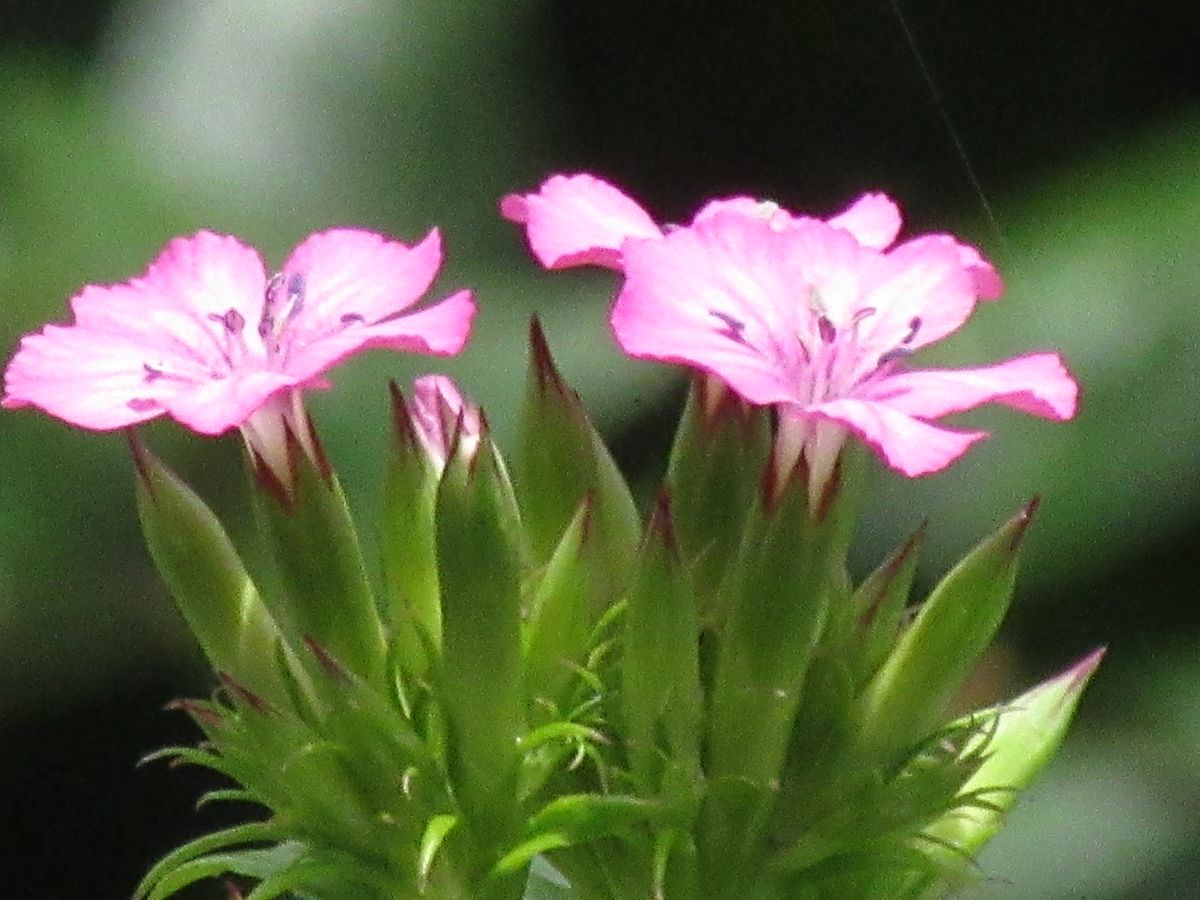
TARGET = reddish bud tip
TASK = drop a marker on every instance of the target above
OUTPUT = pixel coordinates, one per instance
(1021, 521)
(203, 714)
(244, 694)
(406, 436)
(268, 479)
(1082, 670)
(547, 373)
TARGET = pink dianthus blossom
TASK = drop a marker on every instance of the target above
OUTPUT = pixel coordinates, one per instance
(814, 317)
(208, 338)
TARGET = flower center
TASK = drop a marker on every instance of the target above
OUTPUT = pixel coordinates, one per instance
(283, 301)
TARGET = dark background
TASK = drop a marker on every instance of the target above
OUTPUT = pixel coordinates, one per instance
(1072, 157)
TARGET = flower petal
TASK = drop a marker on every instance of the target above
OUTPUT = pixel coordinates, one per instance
(348, 272)
(578, 220)
(70, 374)
(720, 295)
(1038, 384)
(134, 345)
(920, 291)
(441, 329)
(173, 310)
(908, 445)
(218, 405)
(873, 219)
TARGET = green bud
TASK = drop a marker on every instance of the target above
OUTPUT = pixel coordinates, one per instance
(906, 698)
(1028, 731)
(407, 545)
(660, 686)
(561, 460)
(325, 594)
(206, 577)
(479, 569)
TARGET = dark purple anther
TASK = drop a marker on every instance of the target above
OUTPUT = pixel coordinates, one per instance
(914, 326)
(232, 321)
(826, 329)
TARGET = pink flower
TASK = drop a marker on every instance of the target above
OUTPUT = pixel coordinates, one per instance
(206, 337)
(441, 415)
(814, 317)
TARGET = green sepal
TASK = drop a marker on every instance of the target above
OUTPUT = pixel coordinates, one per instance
(561, 460)
(907, 697)
(714, 476)
(660, 669)
(407, 545)
(479, 555)
(205, 575)
(1027, 733)
(325, 594)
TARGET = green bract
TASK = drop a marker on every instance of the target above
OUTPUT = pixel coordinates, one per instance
(552, 700)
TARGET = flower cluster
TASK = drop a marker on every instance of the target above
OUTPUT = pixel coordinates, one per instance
(697, 704)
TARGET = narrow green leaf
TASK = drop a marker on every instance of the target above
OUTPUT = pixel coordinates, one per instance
(560, 616)
(431, 841)
(714, 476)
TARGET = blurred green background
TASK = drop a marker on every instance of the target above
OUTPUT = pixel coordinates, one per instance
(125, 123)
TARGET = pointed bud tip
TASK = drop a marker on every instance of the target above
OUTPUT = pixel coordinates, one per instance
(197, 710)
(1021, 521)
(545, 370)
(268, 480)
(251, 699)
(402, 423)
(1082, 671)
